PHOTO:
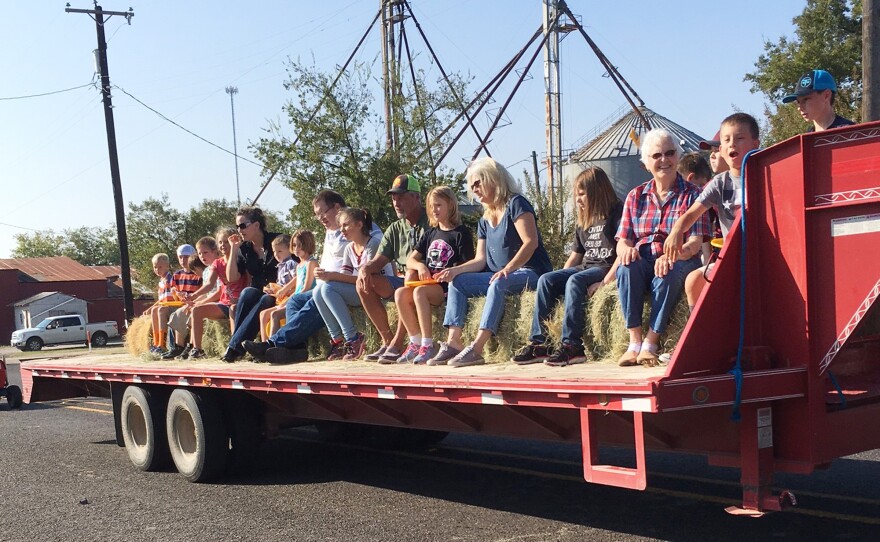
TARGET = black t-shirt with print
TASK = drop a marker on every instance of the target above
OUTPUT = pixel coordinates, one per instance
(442, 249)
(596, 242)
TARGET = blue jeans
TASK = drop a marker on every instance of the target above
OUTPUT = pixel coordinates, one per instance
(573, 283)
(333, 299)
(469, 285)
(303, 321)
(247, 315)
(635, 279)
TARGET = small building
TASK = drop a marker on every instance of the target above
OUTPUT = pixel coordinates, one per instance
(616, 149)
(33, 310)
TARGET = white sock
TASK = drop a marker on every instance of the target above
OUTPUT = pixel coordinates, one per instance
(427, 341)
(634, 347)
(415, 339)
(650, 347)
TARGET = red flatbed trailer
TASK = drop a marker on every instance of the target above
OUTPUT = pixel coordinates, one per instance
(799, 306)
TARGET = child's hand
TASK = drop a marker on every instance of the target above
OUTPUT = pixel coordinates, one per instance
(672, 245)
(234, 240)
(424, 272)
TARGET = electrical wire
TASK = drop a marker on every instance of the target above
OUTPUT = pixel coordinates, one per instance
(45, 93)
(190, 132)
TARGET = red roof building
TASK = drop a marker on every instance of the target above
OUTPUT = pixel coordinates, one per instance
(21, 278)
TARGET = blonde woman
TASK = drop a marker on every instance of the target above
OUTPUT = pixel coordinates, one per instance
(590, 265)
(510, 256)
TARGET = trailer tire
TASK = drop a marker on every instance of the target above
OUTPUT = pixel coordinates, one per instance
(197, 436)
(13, 397)
(99, 339)
(143, 429)
(34, 344)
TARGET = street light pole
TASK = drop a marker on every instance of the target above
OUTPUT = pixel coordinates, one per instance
(232, 91)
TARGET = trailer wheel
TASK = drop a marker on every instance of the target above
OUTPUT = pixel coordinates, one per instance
(197, 437)
(13, 396)
(33, 344)
(143, 429)
(99, 339)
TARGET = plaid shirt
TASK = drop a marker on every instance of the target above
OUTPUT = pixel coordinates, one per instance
(646, 222)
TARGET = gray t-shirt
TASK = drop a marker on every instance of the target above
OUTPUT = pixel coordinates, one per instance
(724, 194)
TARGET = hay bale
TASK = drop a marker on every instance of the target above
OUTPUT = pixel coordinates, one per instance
(139, 336)
(216, 336)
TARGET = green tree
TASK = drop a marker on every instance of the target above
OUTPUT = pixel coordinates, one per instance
(88, 246)
(342, 148)
(554, 217)
(828, 35)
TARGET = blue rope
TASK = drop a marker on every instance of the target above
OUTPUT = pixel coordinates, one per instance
(737, 368)
(839, 389)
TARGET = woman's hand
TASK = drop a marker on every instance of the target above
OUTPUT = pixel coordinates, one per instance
(364, 282)
(446, 275)
(500, 274)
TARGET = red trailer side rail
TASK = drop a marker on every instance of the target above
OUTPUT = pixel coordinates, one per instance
(810, 366)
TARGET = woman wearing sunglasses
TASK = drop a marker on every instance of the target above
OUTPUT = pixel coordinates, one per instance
(649, 212)
(251, 250)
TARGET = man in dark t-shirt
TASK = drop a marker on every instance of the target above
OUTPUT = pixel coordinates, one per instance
(814, 93)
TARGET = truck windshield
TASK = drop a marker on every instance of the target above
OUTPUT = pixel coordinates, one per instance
(43, 324)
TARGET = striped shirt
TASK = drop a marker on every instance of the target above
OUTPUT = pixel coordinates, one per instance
(286, 271)
(647, 221)
(165, 288)
(186, 282)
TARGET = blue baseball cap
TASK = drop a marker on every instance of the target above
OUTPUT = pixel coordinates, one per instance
(814, 81)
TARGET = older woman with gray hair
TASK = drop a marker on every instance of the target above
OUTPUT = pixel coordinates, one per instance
(649, 212)
(509, 258)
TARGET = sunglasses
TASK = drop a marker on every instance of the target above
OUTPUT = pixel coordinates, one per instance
(243, 225)
(668, 154)
(476, 184)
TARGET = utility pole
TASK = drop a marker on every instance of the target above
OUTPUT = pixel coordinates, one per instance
(870, 63)
(551, 90)
(232, 91)
(98, 14)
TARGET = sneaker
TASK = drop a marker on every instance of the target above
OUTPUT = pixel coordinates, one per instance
(173, 353)
(280, 355)
(666, 357)
(531, 353)
(197, 353)
(257, 349)
(354, 348)
(412, 350)
(467, 358)
(377, 355)
(443, 356)
(425, 354)
(231, 355)
(186, 351)
(648, 358)
(337, 350)
(568, 354)
(390, 356)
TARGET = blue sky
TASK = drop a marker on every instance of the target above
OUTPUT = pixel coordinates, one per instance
(685, 58)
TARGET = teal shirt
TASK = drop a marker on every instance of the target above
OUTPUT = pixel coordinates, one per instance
(400, 240)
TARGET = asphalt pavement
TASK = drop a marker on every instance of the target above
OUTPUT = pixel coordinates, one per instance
(62, 477)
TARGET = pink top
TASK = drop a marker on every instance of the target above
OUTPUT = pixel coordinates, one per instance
(229, 291)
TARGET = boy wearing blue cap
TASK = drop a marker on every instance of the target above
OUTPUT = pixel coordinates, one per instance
(814, 93)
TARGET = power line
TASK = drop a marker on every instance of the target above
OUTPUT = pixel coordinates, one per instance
(186, 130)
(46, 93)
(19, 227)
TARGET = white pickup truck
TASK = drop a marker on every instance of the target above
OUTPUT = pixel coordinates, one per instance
(70, 328)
